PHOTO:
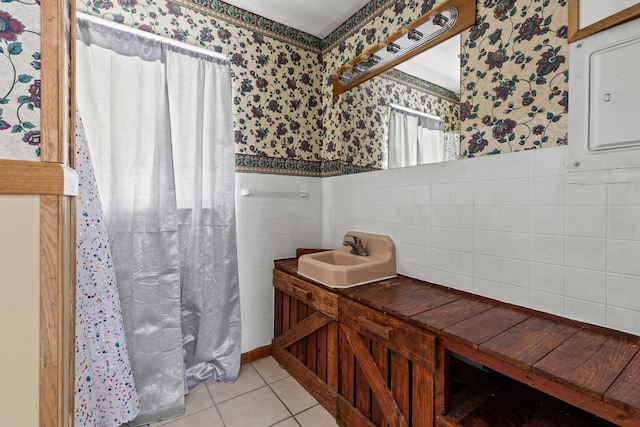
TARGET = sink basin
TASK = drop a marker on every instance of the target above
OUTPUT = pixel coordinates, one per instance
(340, 269)
(340, 257)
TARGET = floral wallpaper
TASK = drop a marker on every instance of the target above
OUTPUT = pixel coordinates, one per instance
(20, 79)
(514, 76)
(514, 71)
(276, 76)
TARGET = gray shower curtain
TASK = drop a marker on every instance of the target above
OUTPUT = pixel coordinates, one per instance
(159, 124)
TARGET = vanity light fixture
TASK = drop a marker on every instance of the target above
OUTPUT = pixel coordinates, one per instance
(415, 34)
(440, 20)
(450, 18)
(393, 48)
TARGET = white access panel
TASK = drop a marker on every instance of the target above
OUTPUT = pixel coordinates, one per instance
(604, 100)
(614, 97)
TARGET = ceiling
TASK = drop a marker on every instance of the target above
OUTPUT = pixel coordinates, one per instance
(318, 18)
(439, 65)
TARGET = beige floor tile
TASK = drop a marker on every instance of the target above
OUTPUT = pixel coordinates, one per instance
(316, 417)
(248, 380)
(259, 408)
(293, 395)
(163, 422)
(198, 399)
(270, 369)
(205, 418)
(289, 422)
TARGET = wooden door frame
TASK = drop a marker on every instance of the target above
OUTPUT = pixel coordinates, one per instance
(57, 228)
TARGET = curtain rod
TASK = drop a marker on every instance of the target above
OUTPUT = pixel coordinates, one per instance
(410, 110)
(123, 27)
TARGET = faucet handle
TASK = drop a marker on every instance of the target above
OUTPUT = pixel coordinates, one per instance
(356, 240)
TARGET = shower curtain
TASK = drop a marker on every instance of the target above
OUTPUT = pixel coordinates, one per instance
(104, 389)
(414, 138)
(159, 125)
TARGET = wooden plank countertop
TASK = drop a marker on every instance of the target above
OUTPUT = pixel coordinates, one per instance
(601, 364)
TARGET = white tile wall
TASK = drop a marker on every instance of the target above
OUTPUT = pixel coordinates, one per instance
(271, 227)
(510, 227)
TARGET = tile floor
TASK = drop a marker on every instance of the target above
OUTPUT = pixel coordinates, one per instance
(264, 395)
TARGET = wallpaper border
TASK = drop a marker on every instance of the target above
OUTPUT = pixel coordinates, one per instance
(253, 22)
(421, 85)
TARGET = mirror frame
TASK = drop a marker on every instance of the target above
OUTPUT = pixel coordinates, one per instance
(577, 33)
(466, 18)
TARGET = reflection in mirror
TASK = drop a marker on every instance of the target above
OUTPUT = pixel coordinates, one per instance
(427, 88)
(419, 136)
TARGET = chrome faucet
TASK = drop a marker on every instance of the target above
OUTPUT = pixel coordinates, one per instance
(356, 246)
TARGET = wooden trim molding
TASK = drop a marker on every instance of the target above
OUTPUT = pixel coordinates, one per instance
(577, 33)
(53, 179)
(466, 18)
(53, 52)
(25, 177)
(51, 313)
(255, 354)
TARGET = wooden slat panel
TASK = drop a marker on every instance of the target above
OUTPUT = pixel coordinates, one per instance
(379, 353)
(377, 383)
(442, 404)
(277, 312)
(363, 391)
(452, 313)
(422, 397)
(332, 355)
(346, 363)
(297, 332)
(293, 321)
(286, 300)
(400, 383)
(624, 393)
(312, 348)
(529, 341)
(302, 344)
(322, 359)
(588, 362)
(486, 325)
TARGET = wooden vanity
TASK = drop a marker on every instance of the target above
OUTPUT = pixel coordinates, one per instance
(403, 352)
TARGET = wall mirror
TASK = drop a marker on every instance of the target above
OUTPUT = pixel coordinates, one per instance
(587, 17)
(407, 111)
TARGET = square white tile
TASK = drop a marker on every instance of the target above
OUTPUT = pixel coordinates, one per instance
(247, 381)
(258, 408)
(205, 418)
(316, 417)
(293, 395)
(588, 285)
(269, 369)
